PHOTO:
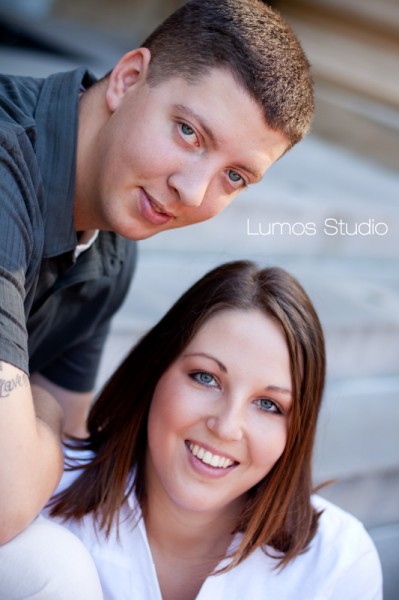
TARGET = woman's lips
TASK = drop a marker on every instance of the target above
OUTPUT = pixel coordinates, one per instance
(207, 463)
(151, 210)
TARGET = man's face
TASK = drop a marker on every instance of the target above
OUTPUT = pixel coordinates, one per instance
(176, 153)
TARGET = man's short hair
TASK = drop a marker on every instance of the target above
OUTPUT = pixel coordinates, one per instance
(251, 40)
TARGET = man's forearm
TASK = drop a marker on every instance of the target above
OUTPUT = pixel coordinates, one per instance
(75, 405)
(30, 450)
(48, 410)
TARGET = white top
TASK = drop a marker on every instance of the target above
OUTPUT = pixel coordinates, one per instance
(86, 240)
(341, 563)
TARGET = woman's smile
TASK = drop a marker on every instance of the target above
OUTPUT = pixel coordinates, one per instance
(220, 412)
(207, 464)
(207, 457)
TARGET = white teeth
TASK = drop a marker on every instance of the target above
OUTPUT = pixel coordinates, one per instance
(208, 458)
(214, 462)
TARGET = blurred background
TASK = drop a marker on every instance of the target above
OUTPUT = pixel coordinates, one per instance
(342, 182)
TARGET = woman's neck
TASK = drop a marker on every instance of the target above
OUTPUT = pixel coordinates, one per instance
(186, 546)
(187, 533)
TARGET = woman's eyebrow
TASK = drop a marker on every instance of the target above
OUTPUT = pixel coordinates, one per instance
(205, 355)
(276, 388)
(269, 388)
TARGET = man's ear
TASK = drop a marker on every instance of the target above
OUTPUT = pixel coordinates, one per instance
(128, 71)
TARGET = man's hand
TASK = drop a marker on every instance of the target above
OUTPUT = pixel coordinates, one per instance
(31, 458)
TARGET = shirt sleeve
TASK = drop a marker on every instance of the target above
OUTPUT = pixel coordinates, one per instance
(19, 247)
(75, 335)
(77, 367)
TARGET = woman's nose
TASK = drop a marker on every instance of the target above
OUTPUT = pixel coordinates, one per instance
(227, 424)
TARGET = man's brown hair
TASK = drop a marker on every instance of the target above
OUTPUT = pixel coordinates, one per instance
(251, 40)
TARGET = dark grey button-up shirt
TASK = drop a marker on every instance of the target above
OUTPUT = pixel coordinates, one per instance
(54, 312)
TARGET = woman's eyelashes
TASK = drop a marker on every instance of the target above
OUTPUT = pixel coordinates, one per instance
(208, 380)
(269, 406)
(204, 378)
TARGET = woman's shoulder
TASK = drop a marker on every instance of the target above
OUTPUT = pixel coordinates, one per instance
(74, 461)
(340, 530)
(341, 563)
(335, 520)
(346, 553)
(87, 528)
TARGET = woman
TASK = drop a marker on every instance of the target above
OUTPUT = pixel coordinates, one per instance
(198, 483)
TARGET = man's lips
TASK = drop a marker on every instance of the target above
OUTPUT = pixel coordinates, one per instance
(151, 210)
(157, 206)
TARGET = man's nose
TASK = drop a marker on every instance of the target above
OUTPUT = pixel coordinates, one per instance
(191, 185)
(226, 423)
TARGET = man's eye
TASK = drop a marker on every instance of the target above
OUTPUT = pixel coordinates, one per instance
(186, 130)
(204, 378)
(235, 177)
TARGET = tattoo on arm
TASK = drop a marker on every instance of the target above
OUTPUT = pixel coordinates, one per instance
(8, 385)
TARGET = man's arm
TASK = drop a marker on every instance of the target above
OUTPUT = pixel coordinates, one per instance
(75, 405)
(30, 450)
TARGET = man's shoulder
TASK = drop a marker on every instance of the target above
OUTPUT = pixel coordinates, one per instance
(16, 138)
(18, 99)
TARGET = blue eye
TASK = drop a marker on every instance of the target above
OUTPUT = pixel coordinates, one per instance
(204, 378)
(268, 406)
(235, 177)
(186, 129)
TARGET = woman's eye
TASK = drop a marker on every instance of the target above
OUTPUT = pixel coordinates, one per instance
(235, 177)
(204, 378)
(268, 406)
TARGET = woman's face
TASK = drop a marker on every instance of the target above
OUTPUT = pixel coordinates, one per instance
(219, 415)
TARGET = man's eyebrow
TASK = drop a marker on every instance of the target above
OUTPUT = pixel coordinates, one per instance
(203, 124)
(256, 174)
(193, 115)
(205, 355)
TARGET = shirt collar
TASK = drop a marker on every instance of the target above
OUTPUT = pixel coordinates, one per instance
(57, 120)
(86, 240)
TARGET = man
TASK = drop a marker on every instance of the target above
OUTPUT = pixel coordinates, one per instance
(169, 138)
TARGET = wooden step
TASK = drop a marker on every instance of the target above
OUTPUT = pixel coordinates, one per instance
(375, 16)
(354, 52)
(340, 54)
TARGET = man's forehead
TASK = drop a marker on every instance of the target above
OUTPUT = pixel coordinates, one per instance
(220, 104)
(200, 76)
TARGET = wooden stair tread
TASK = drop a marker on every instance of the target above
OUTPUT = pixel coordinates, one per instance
(381, 15)
(350, 62)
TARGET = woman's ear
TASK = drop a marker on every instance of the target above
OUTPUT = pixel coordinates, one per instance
(131, 69)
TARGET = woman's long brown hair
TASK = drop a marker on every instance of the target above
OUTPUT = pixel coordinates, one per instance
(278, 512)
